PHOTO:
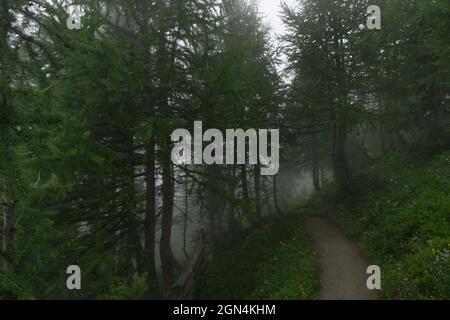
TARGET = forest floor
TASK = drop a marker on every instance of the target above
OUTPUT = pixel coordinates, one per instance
(400, 219)
(342, 264)
(275, 262)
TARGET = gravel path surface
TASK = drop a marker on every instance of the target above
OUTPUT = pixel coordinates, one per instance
(343, 266)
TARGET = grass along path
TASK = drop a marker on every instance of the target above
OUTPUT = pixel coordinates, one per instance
(276, 261)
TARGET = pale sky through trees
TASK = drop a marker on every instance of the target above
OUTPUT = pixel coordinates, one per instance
(271, 9)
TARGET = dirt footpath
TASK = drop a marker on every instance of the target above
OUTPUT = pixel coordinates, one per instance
(343, 266)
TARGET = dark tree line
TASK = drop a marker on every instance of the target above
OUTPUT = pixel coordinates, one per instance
(366, 92)
(87, 114)
(86, 175)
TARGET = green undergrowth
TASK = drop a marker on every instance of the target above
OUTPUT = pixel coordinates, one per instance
(276, 261)
(401, 217)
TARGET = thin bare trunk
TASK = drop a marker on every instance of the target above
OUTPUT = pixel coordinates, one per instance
(245, 193)
(275, 194)
(186, 212)
(340, 164)
(165, 249)
(266, 195)
(340, 120)
(257, 178)
(150, 222)
(5, 125)
(8, 235)
(133, 250)
(315, 163)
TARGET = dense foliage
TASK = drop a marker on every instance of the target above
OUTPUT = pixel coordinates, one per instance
(86, 116)
(402, 220)
(276, 262)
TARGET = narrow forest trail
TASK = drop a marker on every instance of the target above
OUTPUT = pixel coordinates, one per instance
(343, 266)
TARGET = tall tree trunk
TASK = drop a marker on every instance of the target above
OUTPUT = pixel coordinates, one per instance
(133, 248)
(150, 222)
(8, 234)
(323, 175)
(5, 160)
(315, 162)
(245, 193)
(383, 139)
(382, 126)
(220, 210)
(165, 248)
(340, 164)
(275, 194)
(165, 71)
(212, 217)
(215, 205)
(257, 181)
(233, 214)
(186, 215)
(266, 195)
(340, 119)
